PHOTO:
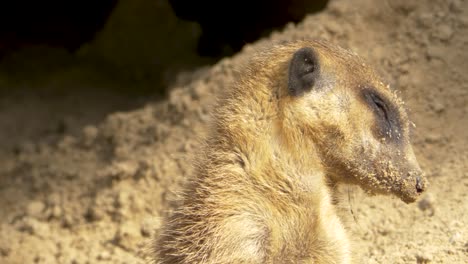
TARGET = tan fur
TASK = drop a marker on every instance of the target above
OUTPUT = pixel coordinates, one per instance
(263, 187)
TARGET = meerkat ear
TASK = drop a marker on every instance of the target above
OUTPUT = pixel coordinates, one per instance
(303, 71)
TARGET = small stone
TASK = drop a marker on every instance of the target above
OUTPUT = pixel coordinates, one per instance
(104, 255)
(4, 251)
(424, 257)
(435, 52)
(53, 199)
(25, 147)
(444, 32)
(427, 204)
(56, 211)
(122, 170)
(67, 221)
(406, 6)
(334, 28)
(456, 6)
(432, 138)
(199, 91)
(384, 231)
(438, 107)
(94, 214)
(33, 227)
(455, 238)
(149, 226)
(35, 209)
(66, 142)
(425, 19)
(128, 235)
(89, 135)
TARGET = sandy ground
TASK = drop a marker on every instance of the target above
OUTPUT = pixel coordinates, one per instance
(86, 180)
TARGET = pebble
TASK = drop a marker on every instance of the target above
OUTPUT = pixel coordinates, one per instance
(426, 19)
(89, 134)
(455, 238)
(427, 204)
(438, 107)
(128, 235)
(444, 32)
(334, 28)
(35, 209)
(436, 52)
(68, 221)
(94, 213)
(104, 255)
(25, 147)
(33, 227)
(456, 6)
(54, 212)
(432, 138)
(149, 226)
(424, 257)
(199, 91)
(4, 250)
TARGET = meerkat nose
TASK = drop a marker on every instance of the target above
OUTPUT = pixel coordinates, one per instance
(420, 186)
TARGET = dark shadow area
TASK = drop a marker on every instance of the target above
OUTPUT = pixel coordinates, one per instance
(66, 24)
(228, 25)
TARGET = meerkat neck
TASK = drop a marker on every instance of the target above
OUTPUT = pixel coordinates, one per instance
(264, 196)
(263, 161)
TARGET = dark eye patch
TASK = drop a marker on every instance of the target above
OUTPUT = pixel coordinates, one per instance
(388, 123)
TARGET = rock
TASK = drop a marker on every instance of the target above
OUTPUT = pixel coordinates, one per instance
(121, 170)
(67, 143)
(455, 238)
(33, 227)
(35, 209)
(444, 32)
(94, 213)
(149, 226)
(424, 257)
(432, 138)
(334, 28)
(25, 147)
(104, 255)
(89, 135)
(436, 52)
(456, 6)
(4, 250)
(54, 211)
(128, 235)
(437, 106)
(427, 204)
(425, 19)
(68, 221)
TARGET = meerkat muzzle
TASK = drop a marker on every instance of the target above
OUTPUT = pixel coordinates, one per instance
(412, 187)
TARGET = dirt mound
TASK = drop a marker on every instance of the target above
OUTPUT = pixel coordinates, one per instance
(97, 197)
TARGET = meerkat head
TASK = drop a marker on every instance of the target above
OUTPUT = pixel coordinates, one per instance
(332, 102)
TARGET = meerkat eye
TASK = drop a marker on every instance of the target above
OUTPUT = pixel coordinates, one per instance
(380, 106)
(388, 118)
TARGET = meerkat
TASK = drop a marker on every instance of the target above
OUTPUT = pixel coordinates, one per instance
(302, 118)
